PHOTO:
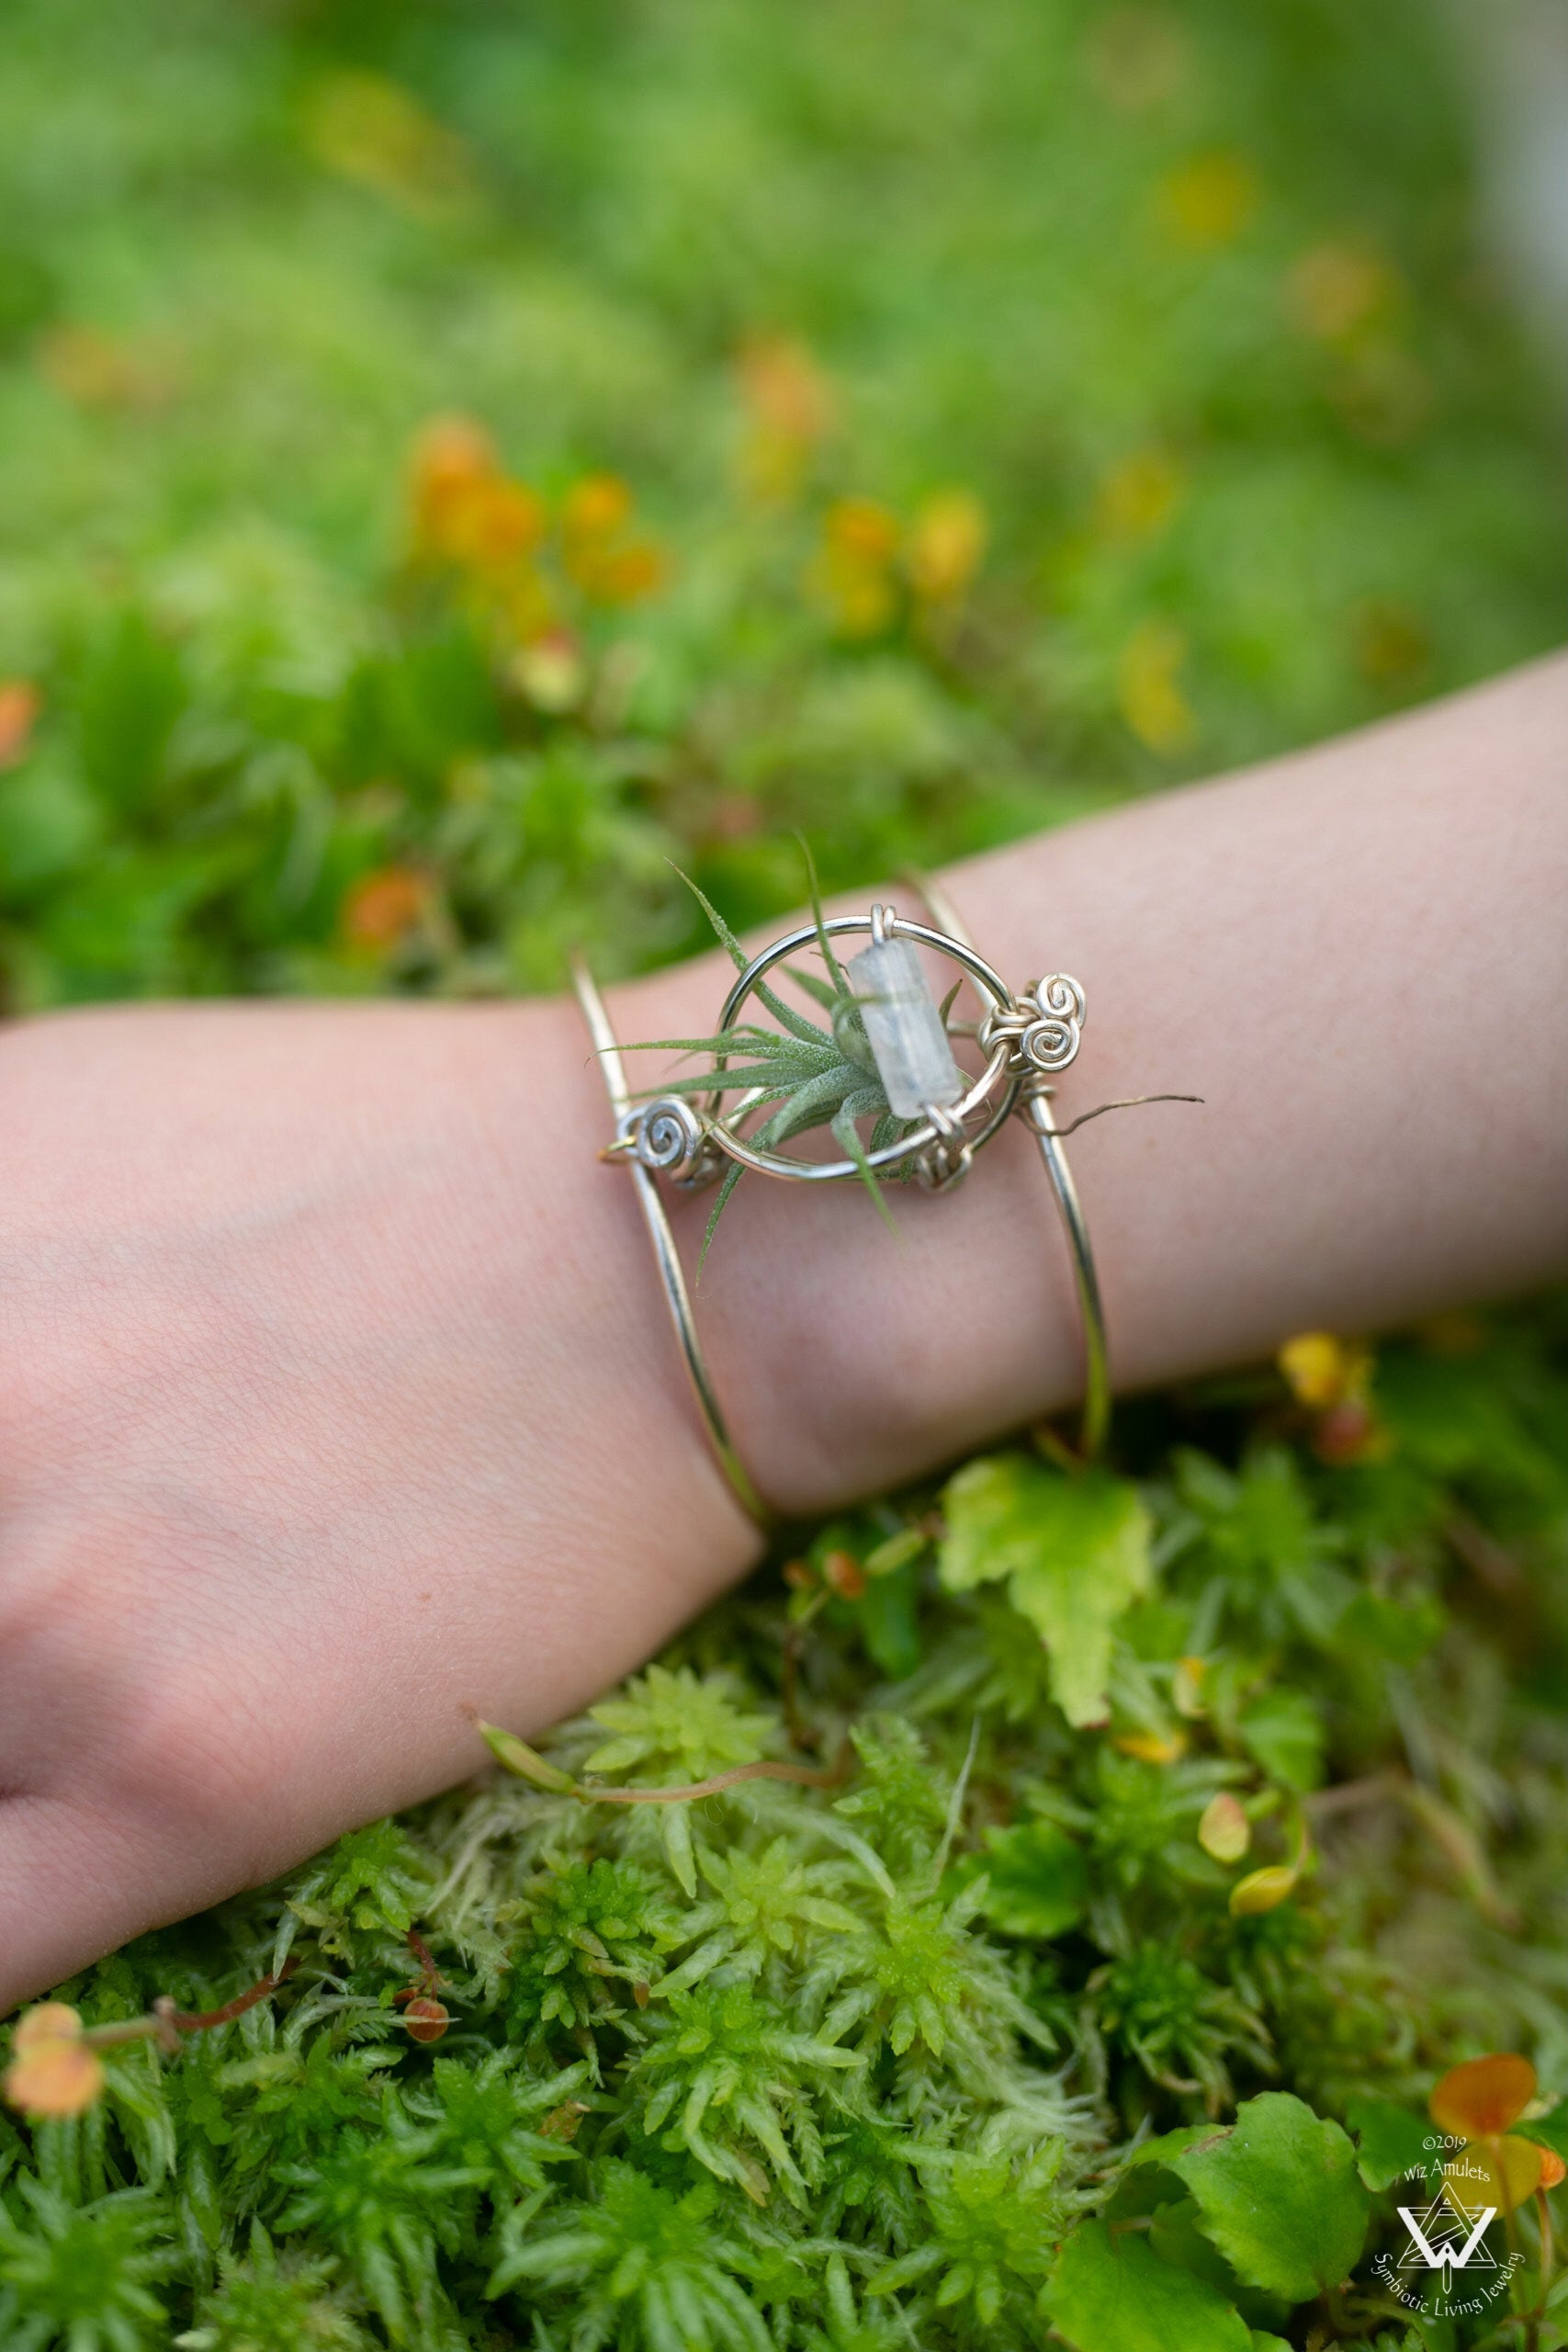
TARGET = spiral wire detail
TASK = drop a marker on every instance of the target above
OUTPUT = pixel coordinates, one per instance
(633, 1124)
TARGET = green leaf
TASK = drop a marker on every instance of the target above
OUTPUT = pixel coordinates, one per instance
(1280, 2197)
(1390, 1629)
(1388, 2140)
(1284, 1731)
(1038, 1880)
(1075, 1551)
(676, 1827)
(1113, 2295)
(132, 690)
(1548, 2130)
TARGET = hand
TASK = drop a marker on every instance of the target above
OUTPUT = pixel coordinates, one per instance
(334, 1393)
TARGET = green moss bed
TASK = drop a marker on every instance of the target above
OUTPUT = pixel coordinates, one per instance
(860, 2064)
(910, 427)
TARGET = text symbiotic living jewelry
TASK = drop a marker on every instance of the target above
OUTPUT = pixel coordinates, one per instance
(1028, 1037)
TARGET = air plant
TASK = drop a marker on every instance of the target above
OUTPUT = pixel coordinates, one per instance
(815, 1075)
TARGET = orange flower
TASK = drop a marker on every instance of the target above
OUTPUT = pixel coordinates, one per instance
(497, 524)
(855, 570)
(595, 508)
(21, 703)
(53, 2072)
(1479, 2099)
(452, 457)
(466, 510)
(381, 908)
(843, 1574)
(1476, 2102)
(594, 514)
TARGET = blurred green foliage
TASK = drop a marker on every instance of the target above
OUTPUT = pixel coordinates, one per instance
(1028, 411)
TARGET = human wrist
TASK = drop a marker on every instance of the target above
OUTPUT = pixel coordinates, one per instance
(846, 1357)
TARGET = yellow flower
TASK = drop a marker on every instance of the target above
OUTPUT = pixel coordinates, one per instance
(1321, 1370)
(551, 671)
(1152, 701)
(594, 509)
(53, 2072)
(1208, 200)
(856, 569)
(1332, 1377)
(947, 539)
(594, 514)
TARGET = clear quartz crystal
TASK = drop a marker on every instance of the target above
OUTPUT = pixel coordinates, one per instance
(903, 1028)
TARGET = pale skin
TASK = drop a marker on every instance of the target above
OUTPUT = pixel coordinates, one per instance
(337, 1392)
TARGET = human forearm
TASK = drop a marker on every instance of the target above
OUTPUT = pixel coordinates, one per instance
(1357, 957)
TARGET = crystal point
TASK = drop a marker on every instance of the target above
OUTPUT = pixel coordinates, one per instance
(904, 1029)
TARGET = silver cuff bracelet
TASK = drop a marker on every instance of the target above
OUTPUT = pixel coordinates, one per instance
(1028, 1037)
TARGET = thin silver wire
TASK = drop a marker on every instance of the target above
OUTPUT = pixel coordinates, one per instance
(1035, 1109)
(666, 1256)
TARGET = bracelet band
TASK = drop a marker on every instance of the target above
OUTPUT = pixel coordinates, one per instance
(666, 1256)
(944, 1114)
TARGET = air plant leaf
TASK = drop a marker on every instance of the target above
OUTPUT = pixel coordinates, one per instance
(805, 1077)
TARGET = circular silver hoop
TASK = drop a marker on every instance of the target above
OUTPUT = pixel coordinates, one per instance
(995, 1074)
(1028, 1037)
